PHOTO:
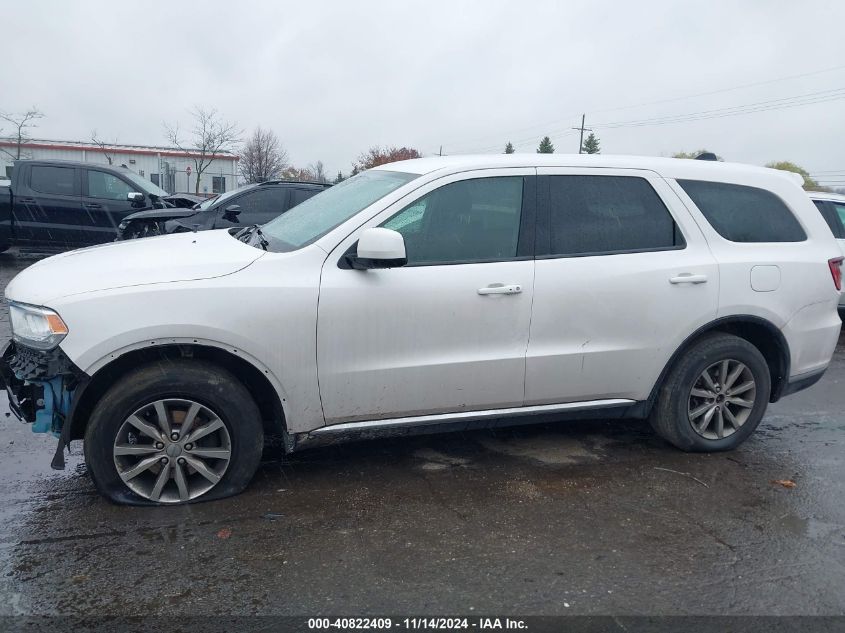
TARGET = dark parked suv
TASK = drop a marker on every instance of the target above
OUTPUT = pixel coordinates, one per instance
(59, 204)
(253, 204)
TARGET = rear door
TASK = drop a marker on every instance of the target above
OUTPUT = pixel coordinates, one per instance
(47, 205)
(623, 276)
(104, 205)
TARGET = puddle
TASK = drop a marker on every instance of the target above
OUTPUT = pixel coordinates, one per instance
(435, 460)
(813, 529)
(547, 448)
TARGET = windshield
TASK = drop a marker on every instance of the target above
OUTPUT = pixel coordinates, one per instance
(205, 204)
(146, 185)
(310, 220)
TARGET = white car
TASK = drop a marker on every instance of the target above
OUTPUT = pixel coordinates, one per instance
(832, 208)
(426, 295)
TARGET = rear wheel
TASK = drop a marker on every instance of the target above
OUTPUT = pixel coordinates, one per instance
(715, 395)
(174, 432)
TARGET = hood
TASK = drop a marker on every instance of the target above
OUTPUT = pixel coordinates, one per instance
(154, 260)
(159, 214)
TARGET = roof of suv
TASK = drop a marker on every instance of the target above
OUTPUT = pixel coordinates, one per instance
(670, 167)
(298, 183)
(61, 162)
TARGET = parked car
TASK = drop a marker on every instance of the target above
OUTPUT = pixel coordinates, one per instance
(427, 295)
(253, 204)
(60, 204)
(187, 200)
(832, 208)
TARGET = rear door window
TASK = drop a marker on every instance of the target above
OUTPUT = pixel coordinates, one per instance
(601, 215)
(260, 205)
(832, 217)
(53, 180)
(840, 212)
(744, 214)
(301, 195)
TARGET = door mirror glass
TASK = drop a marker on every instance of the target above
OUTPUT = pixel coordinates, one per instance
(379, 248)
(232, 212)
(135, 197)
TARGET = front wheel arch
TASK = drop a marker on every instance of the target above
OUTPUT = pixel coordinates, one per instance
(254, 379)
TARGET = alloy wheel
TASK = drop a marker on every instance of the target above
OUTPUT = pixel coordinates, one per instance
(172, 450)
(721, 399)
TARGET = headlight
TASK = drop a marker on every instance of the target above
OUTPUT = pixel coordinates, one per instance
(40, 328)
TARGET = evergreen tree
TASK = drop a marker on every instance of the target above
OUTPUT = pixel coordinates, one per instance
(591, 145)
(546, 146)
(340, 178)
(509, 148)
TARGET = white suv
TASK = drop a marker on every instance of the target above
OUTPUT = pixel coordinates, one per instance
(832, 208)
(425, 295)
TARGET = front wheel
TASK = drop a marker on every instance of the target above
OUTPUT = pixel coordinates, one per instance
(714, 397)
(174, 432)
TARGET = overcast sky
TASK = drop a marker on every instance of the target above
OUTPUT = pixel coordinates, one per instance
(333, 78)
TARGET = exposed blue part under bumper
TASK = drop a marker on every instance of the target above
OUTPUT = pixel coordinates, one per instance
(50, 417)
(40, 386)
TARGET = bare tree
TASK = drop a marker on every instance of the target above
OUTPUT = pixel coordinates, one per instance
(102, 145)
(21, 123)
(263, 158)
(318, 171)
(210, 137)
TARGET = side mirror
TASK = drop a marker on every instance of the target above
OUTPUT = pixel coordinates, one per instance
(379, 248)
(136, 198)
(232, 212)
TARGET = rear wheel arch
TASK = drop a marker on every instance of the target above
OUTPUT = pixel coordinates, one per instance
(761, 333)
(254, 379)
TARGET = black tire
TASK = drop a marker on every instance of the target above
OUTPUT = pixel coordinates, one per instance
(198, 381)
(670, 416)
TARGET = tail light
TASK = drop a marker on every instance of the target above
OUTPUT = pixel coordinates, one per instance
(836, 271)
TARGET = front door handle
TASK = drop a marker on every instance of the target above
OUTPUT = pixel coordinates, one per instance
(500, 289)
(688, 278)
(27, 201)
(93, 205)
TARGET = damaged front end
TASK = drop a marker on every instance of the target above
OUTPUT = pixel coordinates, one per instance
(41, 385)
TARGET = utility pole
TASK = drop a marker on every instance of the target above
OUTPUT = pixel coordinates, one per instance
(441, 151)
(583, 129)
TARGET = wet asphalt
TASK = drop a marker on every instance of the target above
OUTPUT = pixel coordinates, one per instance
(586, 518)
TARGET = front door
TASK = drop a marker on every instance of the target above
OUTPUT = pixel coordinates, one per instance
(623, 276)
(448, 331)
(104, 206)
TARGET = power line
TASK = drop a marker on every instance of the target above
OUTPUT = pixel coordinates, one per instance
(660, 101)
(761, 106)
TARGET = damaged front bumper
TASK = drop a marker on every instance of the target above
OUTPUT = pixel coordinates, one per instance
(40, 386)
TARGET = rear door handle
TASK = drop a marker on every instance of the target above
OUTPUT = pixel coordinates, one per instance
(27, 200)
(500, 289)
(688, 278)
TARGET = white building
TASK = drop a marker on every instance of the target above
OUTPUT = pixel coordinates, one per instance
(168, 167)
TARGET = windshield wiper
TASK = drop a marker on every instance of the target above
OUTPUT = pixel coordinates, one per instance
(245, 236)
